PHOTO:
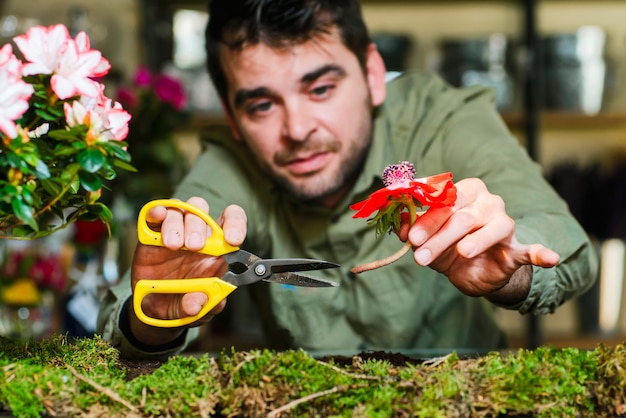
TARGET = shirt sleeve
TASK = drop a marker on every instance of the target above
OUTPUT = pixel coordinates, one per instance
(460, 130)
(478, 142)
(112, 327)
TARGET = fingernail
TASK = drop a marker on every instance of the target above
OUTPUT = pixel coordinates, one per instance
(423, 256)
(195, 240)
(233, 236)
(172, 239)
(194, 309)
(197, 303)
(417, 237)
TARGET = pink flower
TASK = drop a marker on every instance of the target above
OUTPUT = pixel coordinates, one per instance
(42, 47)
(14, 93)
(71, 62)
(84, 47)
(106, 121)
(127, 97)
(116, 120)
(143, 77)
(55, 71)
(170, 90)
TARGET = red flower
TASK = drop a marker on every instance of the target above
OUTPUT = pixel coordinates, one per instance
(433, 191)
(90, 233)
(402, 195)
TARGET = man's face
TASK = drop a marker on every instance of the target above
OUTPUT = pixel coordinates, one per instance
(305, 112)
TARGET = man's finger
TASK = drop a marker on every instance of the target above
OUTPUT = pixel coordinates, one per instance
(192, 303)
(542, 256)
(172, 229)
(234, 223)
(195, 228)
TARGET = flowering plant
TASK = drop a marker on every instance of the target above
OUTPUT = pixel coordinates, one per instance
(401, 197)
(60, 136)
(157, 104)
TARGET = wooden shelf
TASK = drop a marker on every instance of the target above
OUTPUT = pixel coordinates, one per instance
(569, 121)
(515, 121)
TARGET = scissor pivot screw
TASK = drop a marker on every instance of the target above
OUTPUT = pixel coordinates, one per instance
(259, 270)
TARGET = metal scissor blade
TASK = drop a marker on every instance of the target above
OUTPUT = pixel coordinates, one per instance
(284, 265)
(298, 279)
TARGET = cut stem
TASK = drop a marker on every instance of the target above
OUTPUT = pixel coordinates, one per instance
(372, 265)
(382, 262)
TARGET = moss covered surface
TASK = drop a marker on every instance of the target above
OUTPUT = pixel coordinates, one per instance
(87, 378)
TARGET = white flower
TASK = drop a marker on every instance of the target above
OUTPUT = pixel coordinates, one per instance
(14, 93)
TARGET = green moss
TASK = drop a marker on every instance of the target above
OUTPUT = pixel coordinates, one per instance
(86, 377)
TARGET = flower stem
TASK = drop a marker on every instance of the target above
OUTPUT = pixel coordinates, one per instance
(383, 261)
(372, 265)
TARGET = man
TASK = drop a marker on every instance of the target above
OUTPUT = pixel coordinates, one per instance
(312, 126)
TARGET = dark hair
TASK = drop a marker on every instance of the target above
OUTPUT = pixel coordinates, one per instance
(280, 24)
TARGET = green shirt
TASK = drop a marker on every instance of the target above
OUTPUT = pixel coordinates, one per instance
(403, 305)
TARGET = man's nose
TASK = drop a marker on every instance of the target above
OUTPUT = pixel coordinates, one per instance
(298, 124)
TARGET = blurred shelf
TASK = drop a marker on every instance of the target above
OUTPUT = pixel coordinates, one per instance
(569, 121)
(514, 120)
(198, 121)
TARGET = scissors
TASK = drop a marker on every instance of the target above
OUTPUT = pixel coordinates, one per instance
(244, 268)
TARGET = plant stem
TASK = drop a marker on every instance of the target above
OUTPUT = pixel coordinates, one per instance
(410, 205)
(383, 261)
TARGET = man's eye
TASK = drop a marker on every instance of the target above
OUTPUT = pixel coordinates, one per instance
(322, 91)
(259, 107)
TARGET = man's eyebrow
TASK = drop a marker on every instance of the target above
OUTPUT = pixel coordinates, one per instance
(314, 75)
(245, 94)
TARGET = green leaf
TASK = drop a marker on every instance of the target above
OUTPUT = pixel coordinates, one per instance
(24, 212)
(90, 181)
(30, 158)
(45, 115)
(75, 184)
(13, 159)
(124, 166)
(52, 187)
(64, 135)
(63, 151)
(91, 159)
(42, 170)
(116, 148)
(27, 196)
(97, 211)
(22, 231)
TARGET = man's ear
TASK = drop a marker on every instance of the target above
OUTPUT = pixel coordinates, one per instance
(376, 72)
(231, 122)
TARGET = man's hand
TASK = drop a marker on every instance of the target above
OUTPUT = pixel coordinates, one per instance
(180, 229)
(473, 243)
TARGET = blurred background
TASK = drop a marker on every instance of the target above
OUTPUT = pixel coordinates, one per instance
(558, 68)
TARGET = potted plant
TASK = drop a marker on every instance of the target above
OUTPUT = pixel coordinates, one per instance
(61, 137)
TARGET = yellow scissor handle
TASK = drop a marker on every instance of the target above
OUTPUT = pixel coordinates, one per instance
(215, 243)
(215, 288)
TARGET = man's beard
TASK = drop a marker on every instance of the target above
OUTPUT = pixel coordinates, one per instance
(330, 183)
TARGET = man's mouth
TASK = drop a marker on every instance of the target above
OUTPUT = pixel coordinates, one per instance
(308, 164)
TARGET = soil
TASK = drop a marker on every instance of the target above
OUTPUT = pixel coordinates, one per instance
(135, 368)
(395, 359)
